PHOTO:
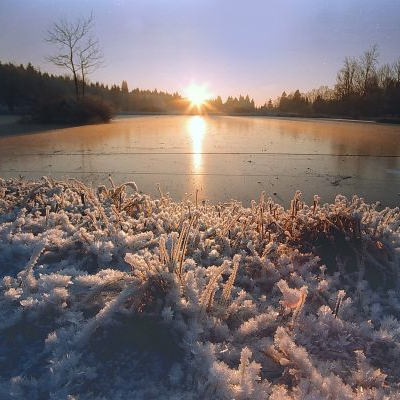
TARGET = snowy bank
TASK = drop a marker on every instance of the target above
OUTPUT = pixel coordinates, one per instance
(109, 294)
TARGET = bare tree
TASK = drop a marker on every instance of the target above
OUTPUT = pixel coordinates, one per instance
(77, 50)
(323, 92)
(396, 70)
(367, 69)
(385, 76)
(90, 58)
(345, 85)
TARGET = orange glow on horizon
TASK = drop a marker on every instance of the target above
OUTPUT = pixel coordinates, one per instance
(197, 95)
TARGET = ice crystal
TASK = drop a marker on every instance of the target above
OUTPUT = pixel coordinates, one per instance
(108, 293)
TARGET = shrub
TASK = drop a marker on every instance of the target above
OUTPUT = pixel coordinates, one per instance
(72, 111)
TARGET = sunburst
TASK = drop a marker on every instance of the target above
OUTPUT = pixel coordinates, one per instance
(197, 95)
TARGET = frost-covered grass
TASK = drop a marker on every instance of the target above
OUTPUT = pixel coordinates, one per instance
(109, 294)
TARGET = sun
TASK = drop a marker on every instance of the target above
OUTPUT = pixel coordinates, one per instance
(197, 94)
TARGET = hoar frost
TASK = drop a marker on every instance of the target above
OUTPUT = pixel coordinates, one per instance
(108, 293)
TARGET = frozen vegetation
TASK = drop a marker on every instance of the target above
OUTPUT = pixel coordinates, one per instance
(108, 294)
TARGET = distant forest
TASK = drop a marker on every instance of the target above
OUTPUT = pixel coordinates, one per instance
(362, 89)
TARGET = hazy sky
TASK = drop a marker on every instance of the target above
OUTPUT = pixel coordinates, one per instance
(259, 47)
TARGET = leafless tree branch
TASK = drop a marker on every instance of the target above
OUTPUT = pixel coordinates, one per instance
(77, 50)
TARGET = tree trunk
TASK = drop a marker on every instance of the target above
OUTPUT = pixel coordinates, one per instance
(76, 86)
(74, 73)
(83, 81)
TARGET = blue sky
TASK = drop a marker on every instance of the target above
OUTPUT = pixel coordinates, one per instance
(255, 47)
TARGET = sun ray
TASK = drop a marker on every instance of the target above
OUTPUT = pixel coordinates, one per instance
(197, 95)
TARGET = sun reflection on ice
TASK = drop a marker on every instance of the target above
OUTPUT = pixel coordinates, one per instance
(197, 128)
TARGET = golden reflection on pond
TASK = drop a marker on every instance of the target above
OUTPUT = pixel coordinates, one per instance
(220, 156)
(197, 128)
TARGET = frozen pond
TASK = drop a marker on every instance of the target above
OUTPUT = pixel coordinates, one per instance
(223, 157)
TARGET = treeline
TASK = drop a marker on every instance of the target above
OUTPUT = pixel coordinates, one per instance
(362, 89)
(232, 105)
(24, 88)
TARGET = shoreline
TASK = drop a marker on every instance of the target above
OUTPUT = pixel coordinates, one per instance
(337, 118)
(22, 127)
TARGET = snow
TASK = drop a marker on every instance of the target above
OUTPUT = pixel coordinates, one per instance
(108, 293)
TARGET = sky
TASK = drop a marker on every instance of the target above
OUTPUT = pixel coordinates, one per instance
(255, 47)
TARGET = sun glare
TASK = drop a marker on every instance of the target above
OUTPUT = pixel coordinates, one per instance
(197, 94)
